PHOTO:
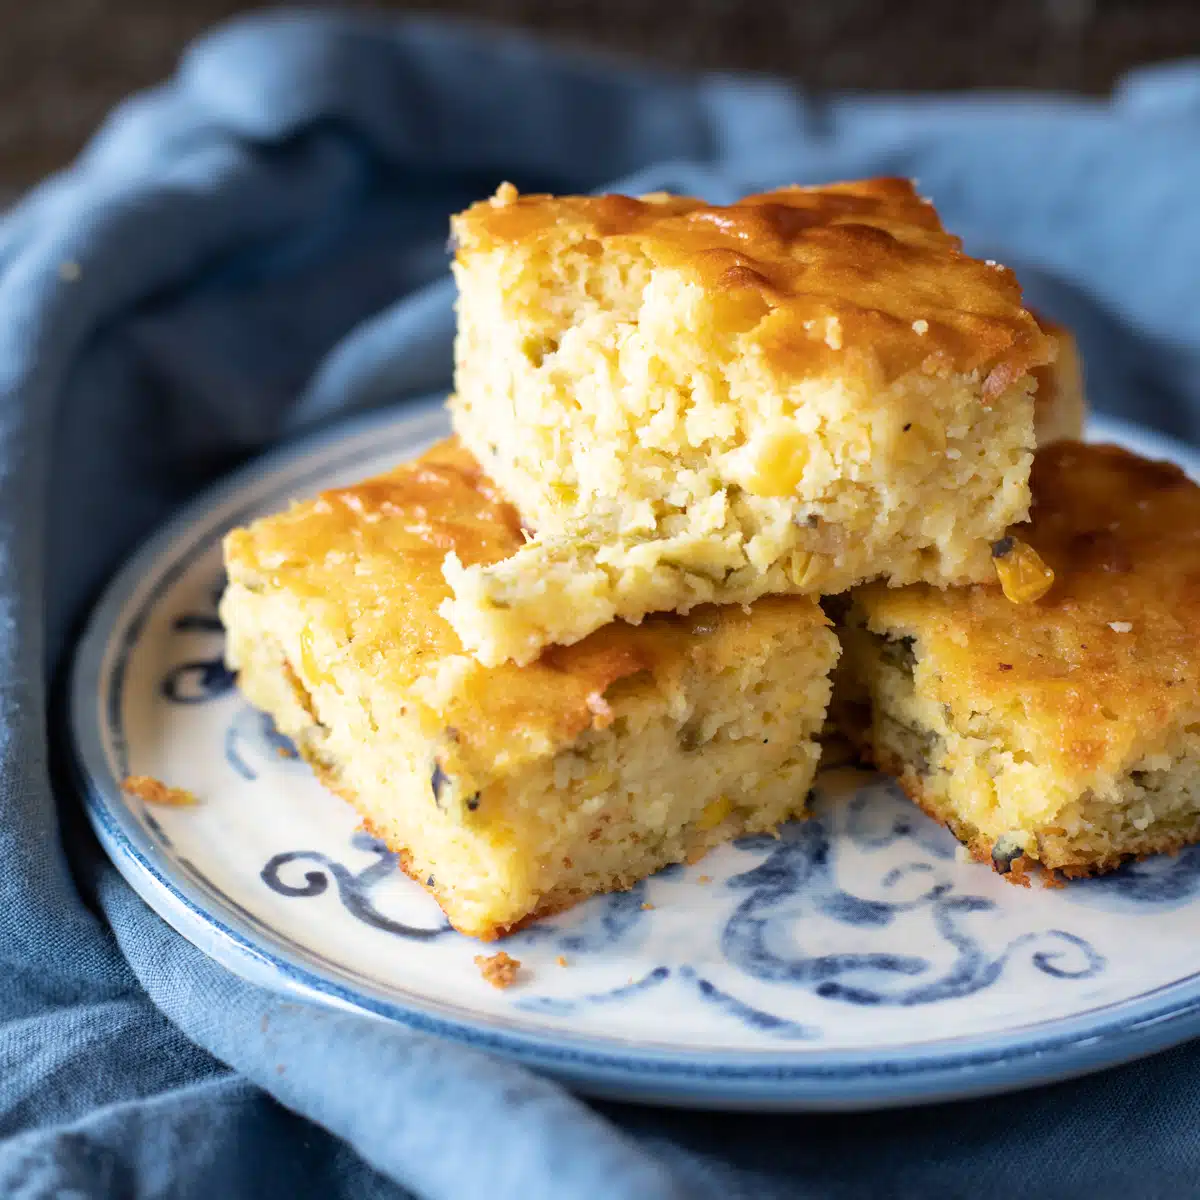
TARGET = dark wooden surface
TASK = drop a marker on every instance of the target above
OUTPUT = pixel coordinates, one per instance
(63, 63)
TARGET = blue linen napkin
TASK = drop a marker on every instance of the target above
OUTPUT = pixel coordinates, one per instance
(259, 245)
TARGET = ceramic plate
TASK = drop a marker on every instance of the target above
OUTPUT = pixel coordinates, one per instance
(855, 962)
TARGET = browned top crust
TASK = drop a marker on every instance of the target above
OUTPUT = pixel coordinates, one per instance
(1104, 667)
(864, 267)
(360, 568)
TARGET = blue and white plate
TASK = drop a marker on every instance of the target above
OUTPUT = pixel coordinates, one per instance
(857, 961)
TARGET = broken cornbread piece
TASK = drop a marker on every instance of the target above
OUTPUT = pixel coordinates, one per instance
(500, 970)
(154, 791)
(1064, 731)
(512, 792)
(691, 403)
(1059, 402)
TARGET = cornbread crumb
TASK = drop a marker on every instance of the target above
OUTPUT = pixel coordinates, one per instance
(704, 879)
(506, 195)
(647, 907)
(600, 709)
(562, 962)
(1018, 873)
(154, 791)
(499, 969)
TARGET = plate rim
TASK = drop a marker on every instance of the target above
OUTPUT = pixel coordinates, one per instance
(780, 1078)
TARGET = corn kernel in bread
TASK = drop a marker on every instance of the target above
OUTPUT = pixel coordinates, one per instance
(691, 403)
(518, 790)
(1067, 730)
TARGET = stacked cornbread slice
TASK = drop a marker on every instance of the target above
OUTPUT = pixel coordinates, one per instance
(698, 404)
(511, 792)
(1064, 732)
(583, 638)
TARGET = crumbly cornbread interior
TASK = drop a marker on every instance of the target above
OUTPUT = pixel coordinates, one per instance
(511, 792)
(696, 404)
(1065, 731)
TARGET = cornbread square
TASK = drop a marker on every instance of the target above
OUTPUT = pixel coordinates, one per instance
(511, 792)
(1066, 731)
(1059, 402)
(691, 403)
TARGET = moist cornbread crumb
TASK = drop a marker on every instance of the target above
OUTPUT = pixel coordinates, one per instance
(154, 791)
(500, 970)
(1059, 403)
(697, 404)
(1055, 732)
(512, 792)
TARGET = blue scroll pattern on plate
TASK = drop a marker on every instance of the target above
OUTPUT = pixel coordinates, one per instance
(799, 876)
(199, 680)
(1162, 881)
(353, 887)
(794, 882)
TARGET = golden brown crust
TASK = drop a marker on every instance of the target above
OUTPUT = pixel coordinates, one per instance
(1109, 658)
(1058, 858)
(861, 269)
(367, 562)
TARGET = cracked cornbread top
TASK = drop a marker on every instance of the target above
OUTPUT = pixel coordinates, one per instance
(361, 569)
(1108, 661)
(817, 275)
